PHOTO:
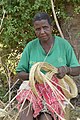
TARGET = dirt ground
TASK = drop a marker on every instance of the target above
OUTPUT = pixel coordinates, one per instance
(75, 113)
(72, 114)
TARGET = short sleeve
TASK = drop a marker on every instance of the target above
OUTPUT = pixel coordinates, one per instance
(71, 57)
(23, 64)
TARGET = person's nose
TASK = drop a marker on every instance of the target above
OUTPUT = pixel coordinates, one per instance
(42, 30)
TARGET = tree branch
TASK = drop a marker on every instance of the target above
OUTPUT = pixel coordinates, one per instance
(2, 20)
(55, 18)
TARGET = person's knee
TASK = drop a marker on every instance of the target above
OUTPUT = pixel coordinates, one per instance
(45, 116)
(27, 112)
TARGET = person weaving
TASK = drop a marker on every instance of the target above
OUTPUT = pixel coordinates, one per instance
(73, 71)
(47, 48)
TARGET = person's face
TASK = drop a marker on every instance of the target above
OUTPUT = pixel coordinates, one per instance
(43, 30)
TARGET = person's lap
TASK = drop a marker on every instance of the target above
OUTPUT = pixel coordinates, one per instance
(27, 114)
(45, 116)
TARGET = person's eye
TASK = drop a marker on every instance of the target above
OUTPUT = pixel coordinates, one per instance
(37, 29)
(45, 27)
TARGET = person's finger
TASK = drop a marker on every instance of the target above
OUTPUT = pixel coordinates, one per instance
(59, 75)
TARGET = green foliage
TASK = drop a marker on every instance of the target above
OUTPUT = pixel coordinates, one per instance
(77, 9)
(17, 26)
(2, 92)
(74, 1)
(18, 29)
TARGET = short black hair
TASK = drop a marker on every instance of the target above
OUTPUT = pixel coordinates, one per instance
(42, 16)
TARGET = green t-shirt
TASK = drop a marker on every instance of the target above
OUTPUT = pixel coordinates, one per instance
(61, 54)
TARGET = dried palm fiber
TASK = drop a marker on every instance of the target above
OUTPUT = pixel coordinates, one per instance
(2, 112)
(37, 76)
(78, 118)
(5, 112)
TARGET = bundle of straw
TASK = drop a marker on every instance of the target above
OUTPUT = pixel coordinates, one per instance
(78, 118)
(36, 75)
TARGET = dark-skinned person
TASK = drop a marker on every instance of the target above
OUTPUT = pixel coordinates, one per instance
(73, 71)
(53, 50)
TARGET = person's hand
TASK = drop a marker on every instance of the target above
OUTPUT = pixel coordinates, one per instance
(62, 71)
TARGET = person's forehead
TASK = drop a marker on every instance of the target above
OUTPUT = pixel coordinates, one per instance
(43, 21)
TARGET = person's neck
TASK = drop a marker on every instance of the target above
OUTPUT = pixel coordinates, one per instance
(47, 45)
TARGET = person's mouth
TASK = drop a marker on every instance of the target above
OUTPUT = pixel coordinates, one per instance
(43, 36)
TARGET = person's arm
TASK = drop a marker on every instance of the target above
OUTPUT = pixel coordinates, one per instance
(72, 63)
(22, 69)
(23, 75)
(74, 71)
